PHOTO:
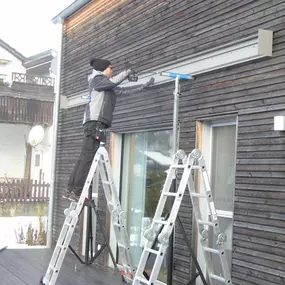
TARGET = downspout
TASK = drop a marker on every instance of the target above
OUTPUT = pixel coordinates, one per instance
(54, 137)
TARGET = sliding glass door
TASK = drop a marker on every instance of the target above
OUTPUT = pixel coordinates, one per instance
(146, 157)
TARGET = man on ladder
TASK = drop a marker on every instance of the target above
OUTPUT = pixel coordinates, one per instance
(103, 92)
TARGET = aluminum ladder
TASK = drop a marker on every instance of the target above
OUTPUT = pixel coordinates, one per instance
(127, 268)
(188, 164)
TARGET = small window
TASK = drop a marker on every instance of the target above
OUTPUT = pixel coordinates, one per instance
(2, 78)
(37, 160)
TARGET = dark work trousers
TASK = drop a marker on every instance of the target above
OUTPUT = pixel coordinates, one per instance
(94, 133)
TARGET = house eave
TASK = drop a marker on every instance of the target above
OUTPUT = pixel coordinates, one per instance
(70, 10)
(12, 51)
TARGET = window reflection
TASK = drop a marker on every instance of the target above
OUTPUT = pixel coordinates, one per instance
(146, 157)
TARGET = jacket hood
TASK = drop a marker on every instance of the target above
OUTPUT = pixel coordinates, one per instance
(94, 73)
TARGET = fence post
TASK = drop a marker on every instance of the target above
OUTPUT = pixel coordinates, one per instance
(35, 190)
(18, 187)
(12, 190)
(47, 193)
(42, 195)
(30, 192)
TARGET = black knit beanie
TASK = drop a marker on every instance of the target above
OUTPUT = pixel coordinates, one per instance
(100, 64)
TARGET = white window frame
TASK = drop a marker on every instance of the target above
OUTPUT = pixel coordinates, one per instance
(212, 123)
(116, 171)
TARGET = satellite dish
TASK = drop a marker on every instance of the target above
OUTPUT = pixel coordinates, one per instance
(36, 135)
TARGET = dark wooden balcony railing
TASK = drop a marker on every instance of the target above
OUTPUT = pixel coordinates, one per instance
(26, 111)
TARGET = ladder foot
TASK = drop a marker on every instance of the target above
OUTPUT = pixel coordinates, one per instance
(123, 279)
(42, 281)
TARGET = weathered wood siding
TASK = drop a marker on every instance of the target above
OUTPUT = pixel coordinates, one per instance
(70, 135)
(255, 93)
(148, 33)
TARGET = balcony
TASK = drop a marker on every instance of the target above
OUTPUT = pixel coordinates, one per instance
(25, 111)
(32, 79)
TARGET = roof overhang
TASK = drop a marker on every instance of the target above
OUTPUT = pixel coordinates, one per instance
(40, 59)
(12, 51)
(70, 10)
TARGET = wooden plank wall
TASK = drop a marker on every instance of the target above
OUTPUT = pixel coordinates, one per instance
(152, 32)
(70, 136)
(253, 92)
(148, 33)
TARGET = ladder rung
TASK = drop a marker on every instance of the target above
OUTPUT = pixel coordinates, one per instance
(205, 223)
(159, 283)
(171, 194)
(219, 278)
(209, 249)
(52, 268)
(178, 166)
(141, 279)
(121, 245)
(68, 224)
(195, 167)
(199, 195)
(151, 250)
(162, 222)
(107, 182)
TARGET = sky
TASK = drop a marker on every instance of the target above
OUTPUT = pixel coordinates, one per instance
(26, 24)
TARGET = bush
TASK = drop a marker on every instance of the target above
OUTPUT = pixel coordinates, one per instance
(35, 237)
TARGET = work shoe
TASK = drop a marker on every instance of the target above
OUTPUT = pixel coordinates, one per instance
(66, 194)
(74, 197)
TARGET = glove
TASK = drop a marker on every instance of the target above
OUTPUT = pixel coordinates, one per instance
(148, 83)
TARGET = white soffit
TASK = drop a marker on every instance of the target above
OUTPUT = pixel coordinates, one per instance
(248, 49)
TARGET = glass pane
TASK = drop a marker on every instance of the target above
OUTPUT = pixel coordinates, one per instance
(24, 185)
(146, 158)
(26, 128)
(223, 185)
(223, 166)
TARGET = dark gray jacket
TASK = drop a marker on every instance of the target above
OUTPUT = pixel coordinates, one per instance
(103, 92)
